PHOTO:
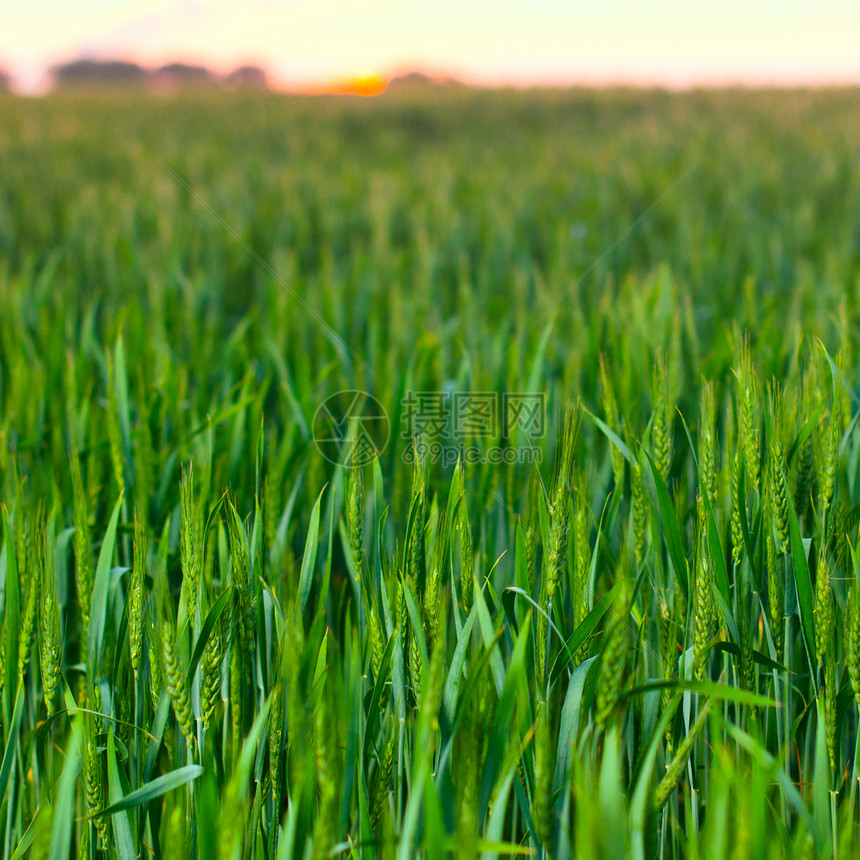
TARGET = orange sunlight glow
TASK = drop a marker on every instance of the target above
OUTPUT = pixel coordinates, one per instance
(365, 84)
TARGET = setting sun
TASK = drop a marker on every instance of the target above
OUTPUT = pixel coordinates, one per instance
(364, 84)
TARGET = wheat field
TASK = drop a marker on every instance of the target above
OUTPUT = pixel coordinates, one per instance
(587, 588)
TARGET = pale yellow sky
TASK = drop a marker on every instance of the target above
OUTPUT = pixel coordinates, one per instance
(306, 42)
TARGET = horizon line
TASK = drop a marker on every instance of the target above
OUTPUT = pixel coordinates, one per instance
(41, 79)
(376, 83)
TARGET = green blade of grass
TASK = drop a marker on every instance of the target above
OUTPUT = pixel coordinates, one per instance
(571, 713)
(671, 530)
(155, 788)
(309, 558)
(34, 828)
(98, 614)
(206, 631)
(123, 837)
(455, 672)
(12, 611)
(64, 799)
(11, 740)
(612, 436)
(707, 688)
(803, 580)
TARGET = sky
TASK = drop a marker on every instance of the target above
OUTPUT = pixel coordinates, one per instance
(308, 43)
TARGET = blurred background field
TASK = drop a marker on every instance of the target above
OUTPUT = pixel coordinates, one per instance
(454, 216)
(439, 236)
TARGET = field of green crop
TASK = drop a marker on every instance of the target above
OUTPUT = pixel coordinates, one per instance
(588, 586)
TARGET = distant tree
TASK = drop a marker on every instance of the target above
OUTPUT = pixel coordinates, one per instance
(411, 79)
(415, 80)
(180, 76)
(247, 78)
(5, 81)
(84, 73)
